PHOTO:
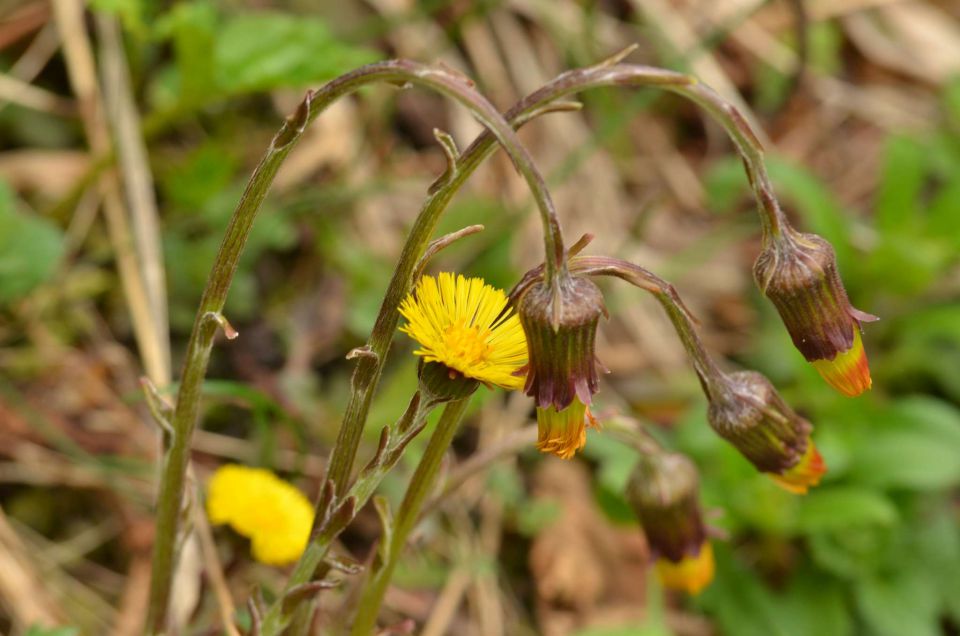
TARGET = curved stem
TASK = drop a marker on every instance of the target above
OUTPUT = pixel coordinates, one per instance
(711, 377)
(176, 457)
(772, 219)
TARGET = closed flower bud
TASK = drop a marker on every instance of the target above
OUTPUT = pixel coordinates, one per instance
(663, 492)
(561, 328)
(800, 277)
(750, 414)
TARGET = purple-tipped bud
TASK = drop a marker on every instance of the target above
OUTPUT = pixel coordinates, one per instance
(800, 277)
(561, 329)
(750, 414)
(664, 493)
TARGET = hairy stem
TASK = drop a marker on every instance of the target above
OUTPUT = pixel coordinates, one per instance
(421, 486)
(176, 457)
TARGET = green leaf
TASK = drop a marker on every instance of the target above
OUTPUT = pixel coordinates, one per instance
(738, 599)
(907, 459)
(839, 507)
(192, 26)
(814, 604)
(259, 51)
(903, 602)
(903, 176)
(852, 552)
(30, 249)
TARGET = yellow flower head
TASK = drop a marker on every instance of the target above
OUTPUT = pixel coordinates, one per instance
(272, 513)
(466, 325)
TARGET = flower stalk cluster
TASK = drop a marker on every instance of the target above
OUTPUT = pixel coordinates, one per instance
(541, 339)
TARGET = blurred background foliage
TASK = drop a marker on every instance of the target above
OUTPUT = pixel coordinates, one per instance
(859, 102)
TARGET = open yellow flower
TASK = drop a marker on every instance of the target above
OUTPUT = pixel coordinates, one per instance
(272, 513)
(466, 325)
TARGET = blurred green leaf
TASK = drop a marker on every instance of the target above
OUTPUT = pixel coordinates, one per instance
(902, 179)
(30, 249)
(740, 601)
(838, 507)
(826, 41)
(193, 28)
(850, 553)
(906, 459)
(813, 604)
(900, 603)
(936, 542)
(265, 50)
(130, 12)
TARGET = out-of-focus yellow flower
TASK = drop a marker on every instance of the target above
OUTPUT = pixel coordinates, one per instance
(663, 491)
(272, 513)
(691, 573)
(466, 325)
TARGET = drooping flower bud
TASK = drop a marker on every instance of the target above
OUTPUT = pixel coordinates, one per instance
(749, 413)
(561, 326)
(663, 492)
(800, 277)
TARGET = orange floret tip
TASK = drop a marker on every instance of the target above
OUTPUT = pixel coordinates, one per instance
(849, 371)
(691, 574)
(805, 474)
(564, 432)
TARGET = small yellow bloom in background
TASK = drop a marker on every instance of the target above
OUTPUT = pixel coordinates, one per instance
(272, 513)
(465, 324)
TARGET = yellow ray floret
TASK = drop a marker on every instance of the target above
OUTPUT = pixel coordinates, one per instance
(462, 324)
(272, 513)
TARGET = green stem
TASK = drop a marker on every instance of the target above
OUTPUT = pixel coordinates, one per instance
(541, 101)
(772, 219)
(711, 377)
(176, 457)
(421, 485)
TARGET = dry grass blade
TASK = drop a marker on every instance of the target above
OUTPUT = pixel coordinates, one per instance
(82, 73)
(139, 188)
(21, 586)
(17, 91)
